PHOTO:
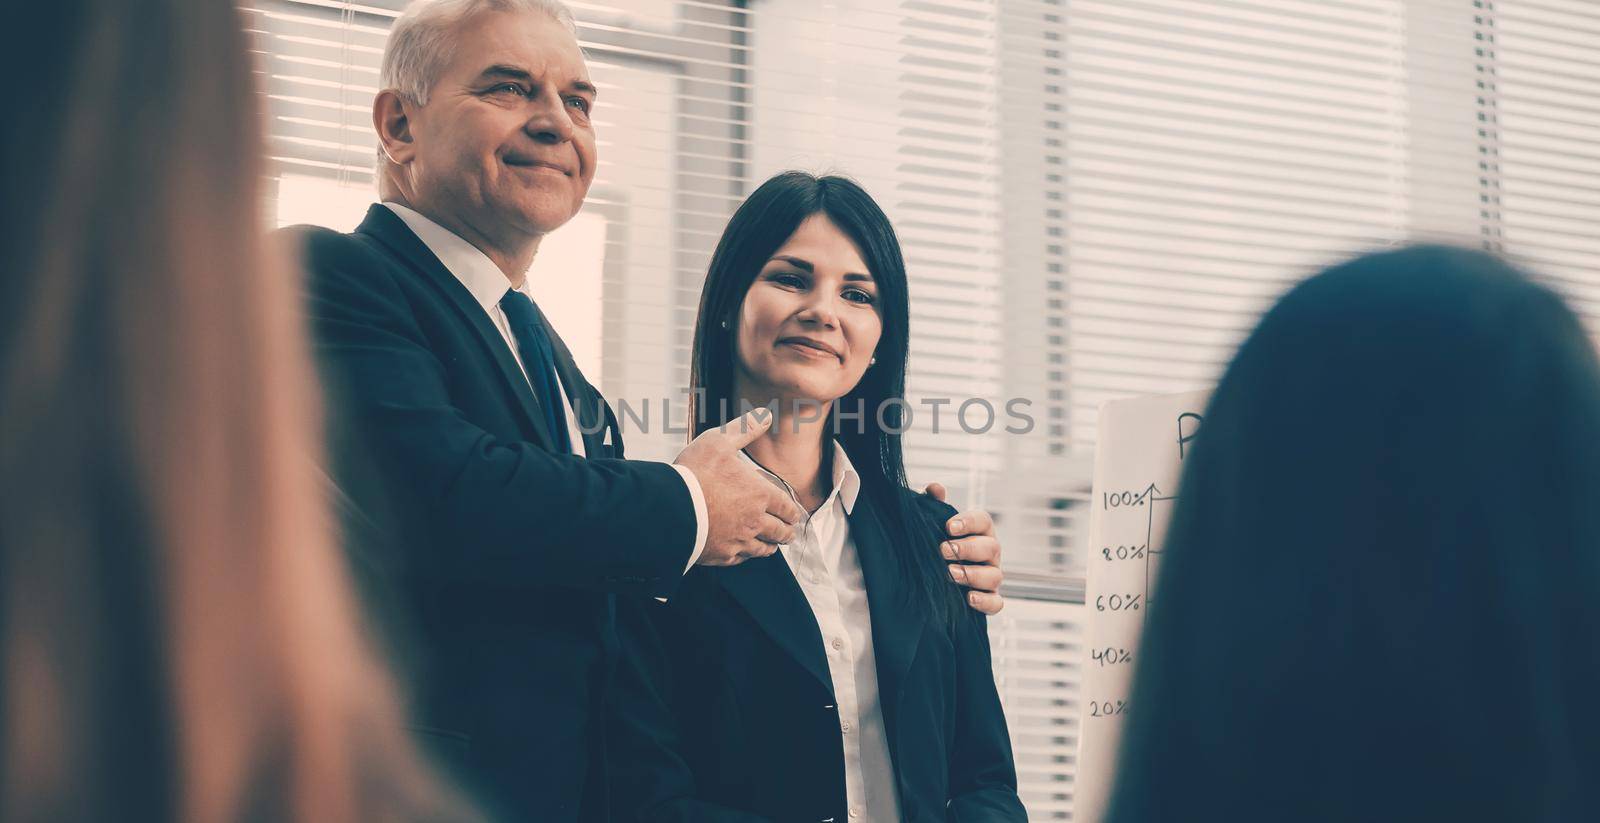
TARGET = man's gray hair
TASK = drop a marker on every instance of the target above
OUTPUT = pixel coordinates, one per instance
(421, 42)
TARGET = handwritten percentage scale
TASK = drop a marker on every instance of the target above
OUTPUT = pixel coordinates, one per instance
(1145, 499)
(1139, 451)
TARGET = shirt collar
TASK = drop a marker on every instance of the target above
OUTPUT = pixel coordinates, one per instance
(482, 278)
(846, 482)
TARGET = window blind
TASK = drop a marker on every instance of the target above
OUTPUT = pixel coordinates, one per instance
(1216, 152)
(1037, 646)
(1540, 66)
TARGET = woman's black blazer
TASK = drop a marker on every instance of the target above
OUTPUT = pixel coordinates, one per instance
(746, 683)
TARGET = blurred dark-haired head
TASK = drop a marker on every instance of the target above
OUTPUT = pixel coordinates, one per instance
(1380, 596)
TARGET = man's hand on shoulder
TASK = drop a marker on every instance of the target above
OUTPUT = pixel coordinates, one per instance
(749, 517)
(974, 550)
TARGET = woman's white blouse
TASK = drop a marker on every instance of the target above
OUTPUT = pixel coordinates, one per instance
(823, 560)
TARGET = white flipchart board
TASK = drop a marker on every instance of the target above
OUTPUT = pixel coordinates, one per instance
(1138, 459)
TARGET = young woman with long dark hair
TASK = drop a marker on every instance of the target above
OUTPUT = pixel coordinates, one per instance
(842, 677)
(1380, 594)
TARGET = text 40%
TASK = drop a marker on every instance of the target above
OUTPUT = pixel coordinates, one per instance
(1111, 656)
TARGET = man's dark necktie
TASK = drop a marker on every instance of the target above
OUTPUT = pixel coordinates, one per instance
(538, 360)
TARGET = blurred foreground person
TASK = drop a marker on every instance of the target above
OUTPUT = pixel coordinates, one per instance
(1381, 592)
(176, 634)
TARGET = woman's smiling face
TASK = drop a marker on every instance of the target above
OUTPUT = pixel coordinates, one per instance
(810, 322)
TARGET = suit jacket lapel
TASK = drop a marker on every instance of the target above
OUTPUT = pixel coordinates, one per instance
(615, 449)
(387, 228)
(767, 590)
(586, 401)
(896, 627)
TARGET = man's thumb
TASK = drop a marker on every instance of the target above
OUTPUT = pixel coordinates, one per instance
(748, 427)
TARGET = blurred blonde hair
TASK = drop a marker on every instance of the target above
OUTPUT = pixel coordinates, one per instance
(177, 635)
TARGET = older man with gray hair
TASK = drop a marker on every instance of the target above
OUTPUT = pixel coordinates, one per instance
(484, 492)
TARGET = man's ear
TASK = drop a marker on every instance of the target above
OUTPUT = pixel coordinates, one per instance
(391, 118)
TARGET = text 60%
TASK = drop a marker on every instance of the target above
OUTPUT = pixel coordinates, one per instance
(1117, 602)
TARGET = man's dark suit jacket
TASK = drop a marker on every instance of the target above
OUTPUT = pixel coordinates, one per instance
(752, 713)
(494, 564)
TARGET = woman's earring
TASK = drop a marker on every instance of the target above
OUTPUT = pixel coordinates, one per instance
(724, 324)
(872, 362)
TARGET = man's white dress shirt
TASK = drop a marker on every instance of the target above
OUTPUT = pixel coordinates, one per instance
(824, 561)
(488, 285)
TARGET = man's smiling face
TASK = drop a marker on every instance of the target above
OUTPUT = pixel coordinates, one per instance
(505, 142)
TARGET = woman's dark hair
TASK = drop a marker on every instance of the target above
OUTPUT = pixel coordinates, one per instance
(758, 228)
(1380, 598)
